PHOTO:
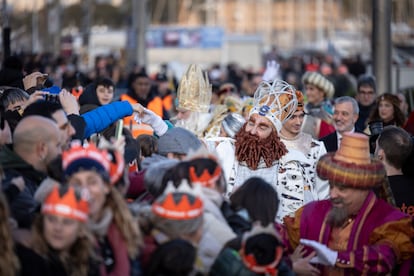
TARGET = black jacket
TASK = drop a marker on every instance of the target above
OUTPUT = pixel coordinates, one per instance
(330, 141)
(32, 263)
(23, 206)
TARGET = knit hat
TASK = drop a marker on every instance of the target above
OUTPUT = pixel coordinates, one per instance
(79, 158)
(319, 81)
(276, 101)
(351, 165)
(232, 123)
(177, 140)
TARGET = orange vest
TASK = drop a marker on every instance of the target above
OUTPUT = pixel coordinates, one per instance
(167, 102)
(137, 129)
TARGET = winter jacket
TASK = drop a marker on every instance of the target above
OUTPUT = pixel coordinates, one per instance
(32, 263)
(101, 117)
(23, 206)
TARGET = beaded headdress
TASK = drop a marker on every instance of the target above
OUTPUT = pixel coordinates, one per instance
(276, 101)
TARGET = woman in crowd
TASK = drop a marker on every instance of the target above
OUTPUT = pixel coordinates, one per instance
(115, 230)
(387, 111)
(60, 242)
(176, 214)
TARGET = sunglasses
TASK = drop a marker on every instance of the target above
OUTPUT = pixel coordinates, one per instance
(227, 89)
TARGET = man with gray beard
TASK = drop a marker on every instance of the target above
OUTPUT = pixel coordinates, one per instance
(353, 232)
(193, 101)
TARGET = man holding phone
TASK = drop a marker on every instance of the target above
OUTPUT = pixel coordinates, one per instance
(34, 81)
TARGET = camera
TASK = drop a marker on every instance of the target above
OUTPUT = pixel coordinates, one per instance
(375, 128)
(54, 98)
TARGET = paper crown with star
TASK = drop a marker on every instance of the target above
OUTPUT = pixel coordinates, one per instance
(181, 203)
(64, 202)
(276, 101)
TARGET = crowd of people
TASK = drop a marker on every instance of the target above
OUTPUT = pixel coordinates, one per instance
(221, 172)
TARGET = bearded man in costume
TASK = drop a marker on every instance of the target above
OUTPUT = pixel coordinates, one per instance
(353, 233)
(193, 103)
(257, 146)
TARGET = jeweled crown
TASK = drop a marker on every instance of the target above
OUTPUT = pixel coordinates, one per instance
(276, 101)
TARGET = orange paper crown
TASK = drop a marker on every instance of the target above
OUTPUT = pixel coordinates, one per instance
(66, 205)
(250, 261)
(205, 179)
(117, 166)
(178, 204)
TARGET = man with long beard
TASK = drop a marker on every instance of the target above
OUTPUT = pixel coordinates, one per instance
(353, 233)
(193, 101)
(257, 145)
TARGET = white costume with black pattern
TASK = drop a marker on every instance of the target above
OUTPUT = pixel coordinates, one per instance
(298, 183)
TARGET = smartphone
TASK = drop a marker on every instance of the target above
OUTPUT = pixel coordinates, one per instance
(54, 98)
(118, 129)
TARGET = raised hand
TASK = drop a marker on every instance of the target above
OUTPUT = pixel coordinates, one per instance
(272, 71)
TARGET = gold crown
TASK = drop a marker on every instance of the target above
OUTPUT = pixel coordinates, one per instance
(194, 91)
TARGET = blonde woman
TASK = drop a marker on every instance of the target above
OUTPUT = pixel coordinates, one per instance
(115, 230)
(60, 243)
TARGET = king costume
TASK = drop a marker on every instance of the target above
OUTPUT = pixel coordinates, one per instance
(377, 240)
